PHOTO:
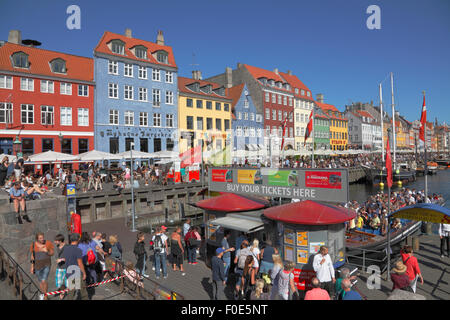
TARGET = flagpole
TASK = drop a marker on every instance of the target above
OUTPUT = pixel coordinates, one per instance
(313, 140)
(382, 132)
(425, 149)
(393, 116)
(387, 218)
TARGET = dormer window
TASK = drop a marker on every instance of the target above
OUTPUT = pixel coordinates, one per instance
(162, 56)
(140, 52)
(308, 94)
(272, 83)
(220, 91)
(118, 46)
(58, 66)
(303, 92)
(194, 86)
(279, 85)
(288, 87)
(207, 89)
(20, 60)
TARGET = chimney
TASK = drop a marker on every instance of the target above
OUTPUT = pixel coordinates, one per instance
(160, 38)
(239, 65)
(289, 72)
(275, 70)
(319, 97)
(15, 36)
(228, 77)
(128, 33)
(196, 75)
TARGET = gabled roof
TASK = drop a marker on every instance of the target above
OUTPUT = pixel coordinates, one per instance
(184, 82)
(297, 83)
(328, 108)
(77, 68)
(364, 114)
(235, 93)
(102, 47)
(258, 73)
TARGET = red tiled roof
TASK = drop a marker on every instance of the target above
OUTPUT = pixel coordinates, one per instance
(78, 68)
(263, 73)
(327, 107)
(132, 42)
(183, 82)
(364, 114)
(235, 93)
(296, 83)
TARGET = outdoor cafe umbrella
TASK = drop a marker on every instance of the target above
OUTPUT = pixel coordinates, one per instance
(166, 154)
(95, 155)
(52, 156)
(136, 155)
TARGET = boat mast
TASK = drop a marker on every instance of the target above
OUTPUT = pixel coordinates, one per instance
(381, 115)
(393, 117)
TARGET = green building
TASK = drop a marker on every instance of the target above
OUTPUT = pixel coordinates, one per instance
(321, 131)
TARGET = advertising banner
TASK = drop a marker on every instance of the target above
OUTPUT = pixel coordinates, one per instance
(327, 180)
(302, 278)
(249, 176)
(288, 178)
(222, 175)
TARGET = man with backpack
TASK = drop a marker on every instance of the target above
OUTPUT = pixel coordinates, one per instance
(160, 252)
(239, 261)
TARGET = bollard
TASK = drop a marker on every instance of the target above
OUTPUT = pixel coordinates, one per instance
(416, 244)
(428, 227)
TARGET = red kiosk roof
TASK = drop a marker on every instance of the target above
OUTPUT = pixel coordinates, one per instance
(230, 202)
(309, 213)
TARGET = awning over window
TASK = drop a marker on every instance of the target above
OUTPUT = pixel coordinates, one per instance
(244, 223)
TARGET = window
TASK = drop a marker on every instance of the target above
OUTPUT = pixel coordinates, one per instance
(291, 102)
(128, 144)
(83, 117)
(274, 114)
(114, 117)
(267, 114)
(26, 84)
(259, 118)
(169, 76)
(128, 92)
(190, 122)
(128, 70)
(156, 75)
(274, 98)
(27, 113)
(113, 67)
(169, 97)
(284, 115)
(143, 119)
(83, 90)
(267, 131)
(143, 144)
(65, 88)
(47, 86)
(209, 105)
(285, 100)
(238, 131)
(296, 90)
(209, 124)
(169, 120)
(27, 146)
(226, 107)
(113, 145)
(303, 92)
(169, 144)
(226, 124)
(280, 115)
(218, 124)
(141, 52)
(6, 82)
(189, 103)
(279, 99)
(267, 97)
(6, 112)
(297, 131)
(246, 132)
(157, 119)
(161, 56)
(47, 144)
(83, 145)
(156, 93)
(157, 144)
(47, 115)
(291, 132)
(58, 66)
(252, 116)
(142, 72)
(143, 94)
(199, 123)
(218, 106)
(245, 116)
(118, 47)
(245, 103)
(252, 132)
(20, 60)
(129, 118)
(239, 116)
(66, 116)
(199, 104)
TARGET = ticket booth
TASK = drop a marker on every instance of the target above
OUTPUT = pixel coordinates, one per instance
(239, 214)
(299, 229)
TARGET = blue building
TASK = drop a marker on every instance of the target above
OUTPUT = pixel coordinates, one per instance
(136, 94)
(247, 123)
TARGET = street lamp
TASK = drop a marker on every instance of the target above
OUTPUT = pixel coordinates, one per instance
(17, 147)
(133, 211)
(60, 137)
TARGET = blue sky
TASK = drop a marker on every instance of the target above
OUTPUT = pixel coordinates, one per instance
(325, 43)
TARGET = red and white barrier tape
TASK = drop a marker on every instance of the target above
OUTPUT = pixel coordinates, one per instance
(89, 286)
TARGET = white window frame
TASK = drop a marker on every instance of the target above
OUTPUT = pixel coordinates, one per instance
(47, 86)
(267, 97)
(169, 120)
(5, 80)
(156, 97)
(274, 98)
(143, 94)
(84, 90)
(115, 90)
(267, 114)
(114, 113)
(128, 70)
(274, 114)
(156, 75)
(66, 116)
(7, 109)
(128, 117)
(113, 67)
(128, 92)
(65, 88)
(83, 117)
(169, 97)
(45, 111)
(143, 119)
(142, 72)
(26, 84)
(157, 120)
(27, 111)
(169, 77)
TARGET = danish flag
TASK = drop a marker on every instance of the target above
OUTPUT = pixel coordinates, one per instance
(309, 127)
(423, 121)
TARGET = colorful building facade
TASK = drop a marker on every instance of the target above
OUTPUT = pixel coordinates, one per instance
(46, 99)
(338, 125)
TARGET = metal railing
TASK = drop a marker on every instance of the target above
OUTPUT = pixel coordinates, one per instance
(368, 261)
(22, 286)
(139, 287)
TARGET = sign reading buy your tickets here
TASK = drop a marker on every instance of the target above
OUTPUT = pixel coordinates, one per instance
(304, 184)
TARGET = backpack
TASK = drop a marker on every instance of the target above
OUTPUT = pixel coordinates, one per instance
(242, 257)
(90, 257)
(115, 253)
(158, 244)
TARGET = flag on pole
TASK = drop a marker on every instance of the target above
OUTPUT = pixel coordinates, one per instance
(423, 121)
(309, 127)
(388, 165)
(284, 131)
(191, 156)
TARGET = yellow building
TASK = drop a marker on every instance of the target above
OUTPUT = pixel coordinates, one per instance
(204, 113)
(338, 126)
(401, 135)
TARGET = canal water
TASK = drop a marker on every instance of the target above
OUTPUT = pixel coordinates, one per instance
(438, 183)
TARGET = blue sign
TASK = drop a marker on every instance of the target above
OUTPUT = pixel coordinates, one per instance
(70, 189)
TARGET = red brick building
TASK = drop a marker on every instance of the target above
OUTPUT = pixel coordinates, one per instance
(46, 99)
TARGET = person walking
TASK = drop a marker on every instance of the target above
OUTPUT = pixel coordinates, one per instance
(323, 266)
(177, 251)
(218, 275)
(412, 265)
(248, 277)
(286, 286)
(266, 258)
(160, 252)
(226, 255)
(60, 273)
(116, 247)
(444, 235)
(256, 254)
(316, 293)
(73, 258)
(88, 250)
(41, 253)
(274, 275)
(141, 254)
